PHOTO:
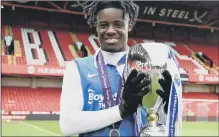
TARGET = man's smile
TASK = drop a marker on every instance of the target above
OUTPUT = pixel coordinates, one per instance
(111, 40)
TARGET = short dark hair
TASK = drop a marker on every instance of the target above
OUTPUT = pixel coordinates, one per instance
(128, 7)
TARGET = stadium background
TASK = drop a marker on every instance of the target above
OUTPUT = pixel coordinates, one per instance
(43, 36)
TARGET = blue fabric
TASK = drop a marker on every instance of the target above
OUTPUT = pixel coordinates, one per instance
(173, 111)
(93, 95)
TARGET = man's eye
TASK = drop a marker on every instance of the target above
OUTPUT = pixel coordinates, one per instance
(103, 25)
(119, 25)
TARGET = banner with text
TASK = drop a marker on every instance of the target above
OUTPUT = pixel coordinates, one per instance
(32, 70)
(204, 79)
(177, 13)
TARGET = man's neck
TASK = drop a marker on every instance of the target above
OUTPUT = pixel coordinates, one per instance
(113, 57)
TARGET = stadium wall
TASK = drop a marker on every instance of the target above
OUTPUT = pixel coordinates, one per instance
(196, 88)
(32, 82)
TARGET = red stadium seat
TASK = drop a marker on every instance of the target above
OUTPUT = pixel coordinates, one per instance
(209, 50)
(47, 99)
(188, 65)
(64, 39)
(29, 99)
(182, 50)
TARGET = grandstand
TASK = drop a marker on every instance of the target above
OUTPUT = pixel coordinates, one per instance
(38, 39)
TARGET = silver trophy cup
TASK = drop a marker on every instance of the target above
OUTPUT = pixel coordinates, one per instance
(139, 59)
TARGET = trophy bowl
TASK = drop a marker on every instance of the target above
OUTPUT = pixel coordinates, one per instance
(143, 62)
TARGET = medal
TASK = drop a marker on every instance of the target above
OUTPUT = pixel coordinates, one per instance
(114, 130)
(114, 133)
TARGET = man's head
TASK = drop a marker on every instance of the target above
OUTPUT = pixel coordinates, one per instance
(113, 20)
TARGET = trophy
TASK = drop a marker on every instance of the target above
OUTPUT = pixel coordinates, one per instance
(139, 59)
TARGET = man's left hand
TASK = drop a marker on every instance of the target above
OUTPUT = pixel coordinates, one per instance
(166, 86)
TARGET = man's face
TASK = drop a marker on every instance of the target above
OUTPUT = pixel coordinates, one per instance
(112, 29)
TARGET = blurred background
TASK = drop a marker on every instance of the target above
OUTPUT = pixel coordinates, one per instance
(38, 39)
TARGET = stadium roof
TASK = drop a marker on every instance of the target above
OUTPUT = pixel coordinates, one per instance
(75, 7)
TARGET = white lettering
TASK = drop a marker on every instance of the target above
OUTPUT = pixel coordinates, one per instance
(162, 12)
(35, 45)
(102, 105)
(97, 97)
(50, 71)
(169, 11)
(35, 112)
(138, 63)
(186, 16)
(101, 99)
(149, 10)
(175, 13)
(20, 112)
(212, 79)
(91, 96)
(145, 10)
(181, 14)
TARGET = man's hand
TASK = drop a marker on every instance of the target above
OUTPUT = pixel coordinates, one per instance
(135, 88)
(166, 86)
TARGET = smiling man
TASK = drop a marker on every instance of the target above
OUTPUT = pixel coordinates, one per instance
(95, 99)
(112, 30)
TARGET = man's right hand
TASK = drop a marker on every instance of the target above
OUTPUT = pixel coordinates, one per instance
(135, 88)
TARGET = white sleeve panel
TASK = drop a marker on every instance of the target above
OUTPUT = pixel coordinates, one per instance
(72, 119)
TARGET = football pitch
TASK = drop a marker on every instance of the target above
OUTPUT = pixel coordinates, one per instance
(51, 128)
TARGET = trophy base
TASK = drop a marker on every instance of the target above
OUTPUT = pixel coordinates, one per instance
(158, 130)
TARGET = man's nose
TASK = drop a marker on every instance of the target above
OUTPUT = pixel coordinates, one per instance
(111, 30)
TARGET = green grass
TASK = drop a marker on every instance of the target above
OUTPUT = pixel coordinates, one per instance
(31, 128)
(51, 128)
(200, 129)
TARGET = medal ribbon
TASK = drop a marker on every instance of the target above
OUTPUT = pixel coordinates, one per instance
(107, 90)
(104, 78)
